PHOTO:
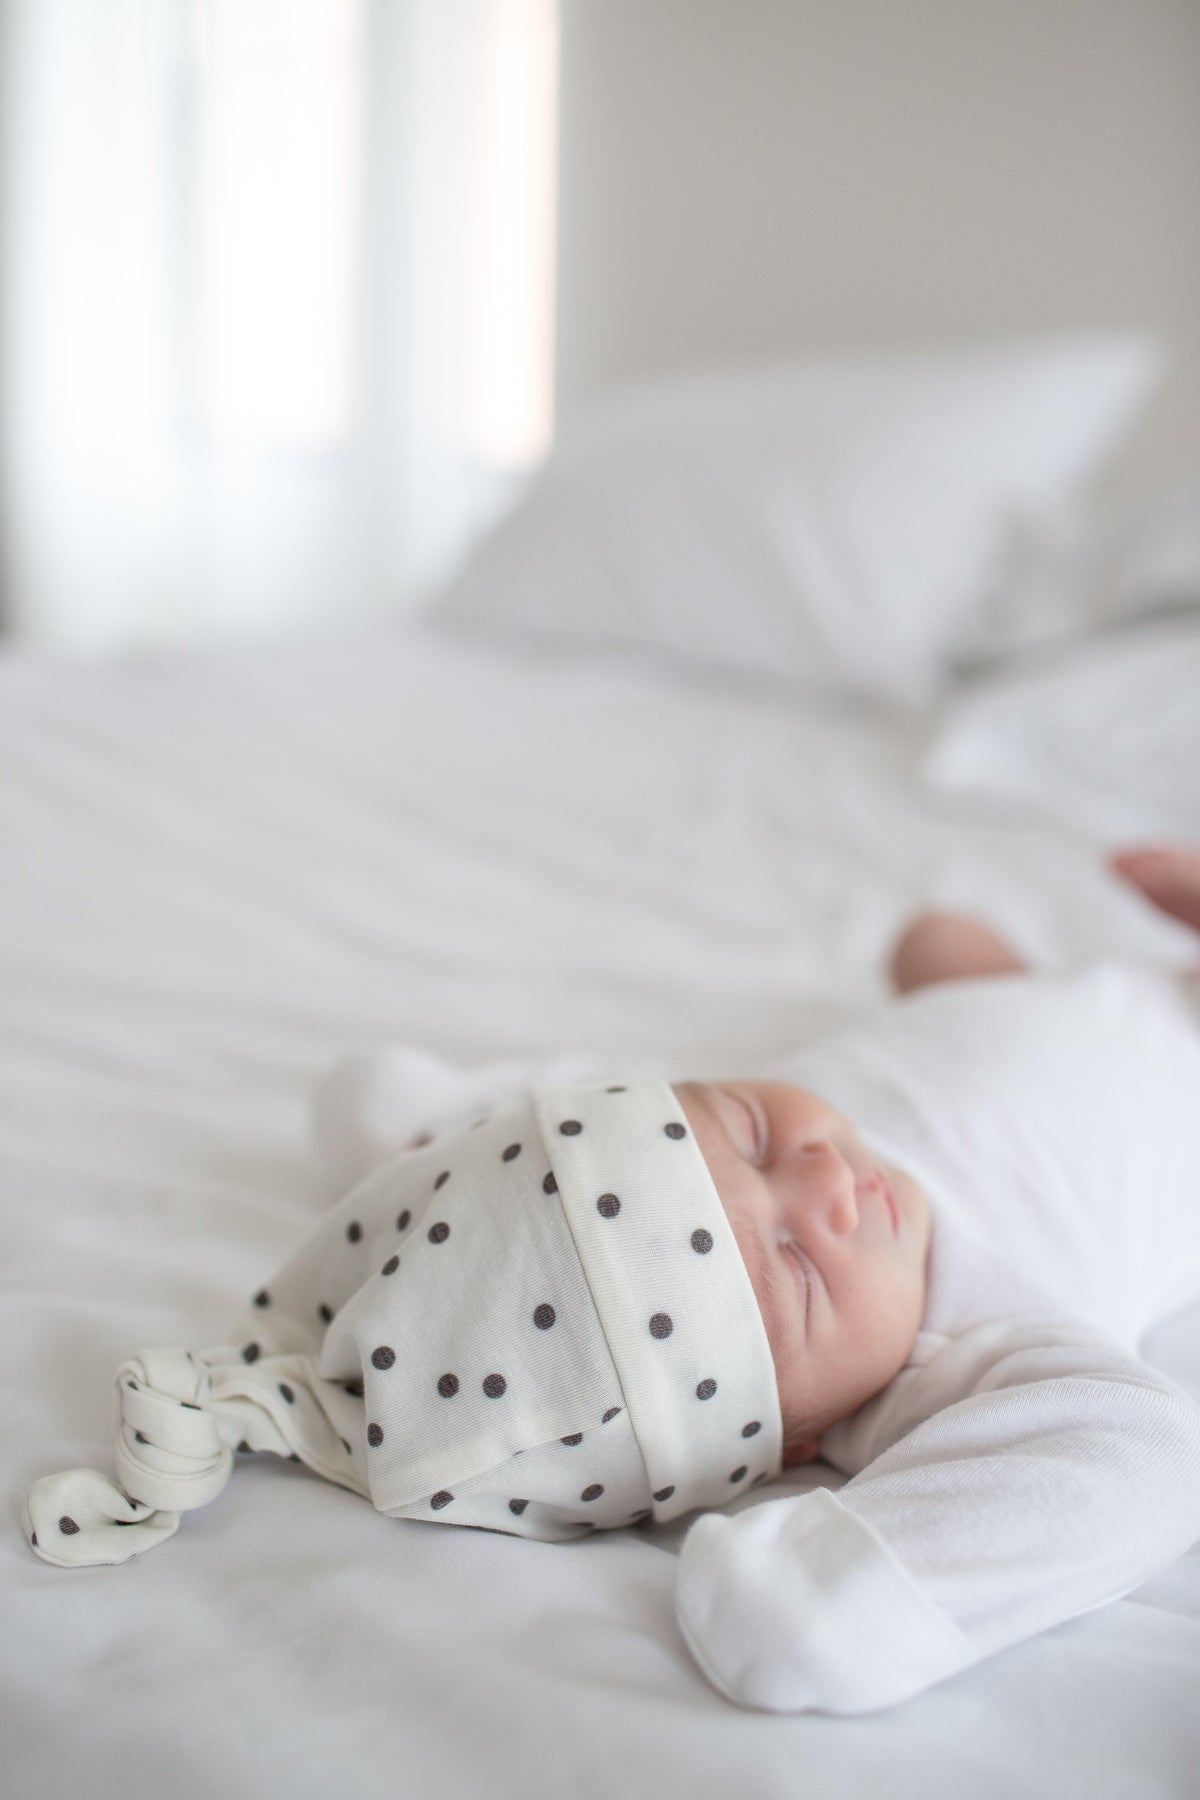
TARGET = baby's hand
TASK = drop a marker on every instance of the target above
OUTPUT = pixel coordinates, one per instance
(948, 946)
(1167, 874)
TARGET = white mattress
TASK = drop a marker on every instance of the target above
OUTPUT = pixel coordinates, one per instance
(221, 871)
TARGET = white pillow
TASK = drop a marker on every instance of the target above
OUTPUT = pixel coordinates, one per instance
(837, 523)
(1115, 562)
(1102, 736)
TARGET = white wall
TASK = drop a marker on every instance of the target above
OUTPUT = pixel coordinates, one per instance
(748, 176)
(275, 282)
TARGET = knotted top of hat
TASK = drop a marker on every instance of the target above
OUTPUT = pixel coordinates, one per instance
(540, 1323)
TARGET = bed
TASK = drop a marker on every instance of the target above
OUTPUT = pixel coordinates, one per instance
(223, 870)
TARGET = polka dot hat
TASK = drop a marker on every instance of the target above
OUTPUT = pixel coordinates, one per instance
(539, 1323)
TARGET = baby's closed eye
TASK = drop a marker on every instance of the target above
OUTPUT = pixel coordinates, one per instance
(802, 1272)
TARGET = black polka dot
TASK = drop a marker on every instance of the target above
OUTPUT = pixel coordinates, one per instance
(384, 1357)
(610, 1414)
(517, 1506)
(244, 1447)
(544, 1317)
(661, 1325)
(324, 1314)
(390, 1266)
(191, 1406)
(664, 1494)
(375, 1435)
(448, 1386)
(550, 1185)
(33, 1538)
(511, 1151)
(67, 1525)
(702, 1242)
(593, 1492)
(262, 1298)
(570, 1128)
(494, 1386)
(353, 1388)
(354, 1231)
(738, 1473)
(402, 1223)
(440, 1499)
(250, 1353)
(615, 1090)
(643, 1512)
(576, 1437)
(287, 1393)
(437, 1234)
(608, 1206)
(706, 1389)
(675, 1129)
(141, 1437)
(442, 1179)
(752, 1429)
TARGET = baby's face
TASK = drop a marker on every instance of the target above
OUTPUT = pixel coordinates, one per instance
(835, 1244)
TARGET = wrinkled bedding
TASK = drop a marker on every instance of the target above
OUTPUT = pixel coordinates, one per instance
(222, 871)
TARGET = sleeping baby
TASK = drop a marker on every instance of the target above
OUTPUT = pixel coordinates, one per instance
(925, 1248)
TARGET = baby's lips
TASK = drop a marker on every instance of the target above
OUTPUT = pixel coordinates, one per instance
(876, 1183)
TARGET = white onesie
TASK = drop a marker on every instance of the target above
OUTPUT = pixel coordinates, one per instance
(1027, 1465)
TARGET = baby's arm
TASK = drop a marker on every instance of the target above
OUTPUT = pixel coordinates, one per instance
(1066, 1474)
(948, 946)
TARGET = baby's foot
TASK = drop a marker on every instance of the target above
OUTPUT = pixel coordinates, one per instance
(1168, 875)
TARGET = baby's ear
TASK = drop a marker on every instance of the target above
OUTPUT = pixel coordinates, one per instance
(807, 1450)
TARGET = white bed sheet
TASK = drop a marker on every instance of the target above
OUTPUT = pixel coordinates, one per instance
(219, 872)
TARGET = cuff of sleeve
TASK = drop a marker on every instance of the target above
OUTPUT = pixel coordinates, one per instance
(797, 1606)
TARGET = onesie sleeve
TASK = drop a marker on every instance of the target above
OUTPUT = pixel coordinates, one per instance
(1064, 1472)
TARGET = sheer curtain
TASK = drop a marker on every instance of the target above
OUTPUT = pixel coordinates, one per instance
(275, 304)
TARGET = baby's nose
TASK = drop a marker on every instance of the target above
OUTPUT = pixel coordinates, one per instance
(831, 1187)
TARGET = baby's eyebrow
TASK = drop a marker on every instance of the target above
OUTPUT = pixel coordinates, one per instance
(764, 1277)
(709, 1093)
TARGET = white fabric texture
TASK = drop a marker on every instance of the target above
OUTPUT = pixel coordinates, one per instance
(557, 1283)
(866, 511)
(1028, 1464)
(220, 871)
